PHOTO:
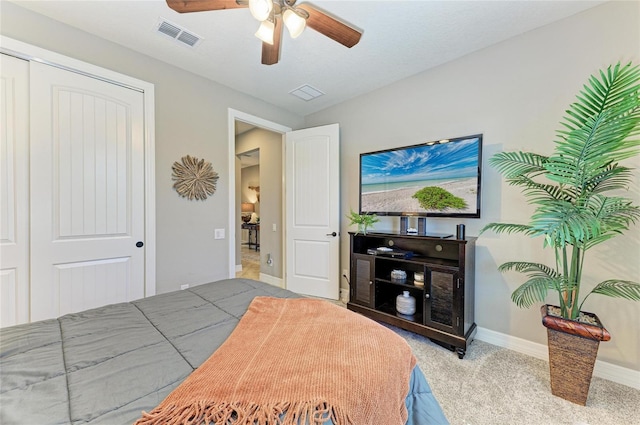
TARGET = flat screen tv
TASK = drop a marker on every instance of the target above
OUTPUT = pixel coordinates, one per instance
(433, 179)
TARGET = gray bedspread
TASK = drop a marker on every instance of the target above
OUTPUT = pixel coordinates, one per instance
(107, 365)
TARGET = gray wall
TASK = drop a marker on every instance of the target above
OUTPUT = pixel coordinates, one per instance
(191, 118)
(515, 93)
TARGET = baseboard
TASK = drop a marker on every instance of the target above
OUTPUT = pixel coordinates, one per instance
(615, 373)
(539, 351)
(272, 280)
(344, 295)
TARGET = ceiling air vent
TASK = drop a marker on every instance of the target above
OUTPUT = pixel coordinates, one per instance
(306, 92)
(178, 33)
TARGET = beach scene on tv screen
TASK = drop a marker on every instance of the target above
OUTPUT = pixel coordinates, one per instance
(438, 178)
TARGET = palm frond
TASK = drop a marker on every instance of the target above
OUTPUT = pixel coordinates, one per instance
(541, 278)
(605, 92)
(563, 223)
(615, 215)
(514, 164)
(540, 192)
(597, 240)
(597, 127)
(611, 177)
(528, 267)
(532, 291)
(618, 289)
(507, 228)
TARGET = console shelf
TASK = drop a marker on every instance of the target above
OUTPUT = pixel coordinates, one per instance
(444, 303)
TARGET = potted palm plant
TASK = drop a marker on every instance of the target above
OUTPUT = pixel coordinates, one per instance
(362, 220)
(576, 196)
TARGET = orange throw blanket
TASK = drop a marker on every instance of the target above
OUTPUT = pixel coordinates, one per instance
(307, 359)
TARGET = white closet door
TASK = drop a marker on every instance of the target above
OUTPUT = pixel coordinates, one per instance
(87, 191)
(14, 191)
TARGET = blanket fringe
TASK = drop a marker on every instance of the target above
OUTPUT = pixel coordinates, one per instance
(284, 413)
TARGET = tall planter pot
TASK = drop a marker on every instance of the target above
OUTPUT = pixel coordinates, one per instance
(573, 347)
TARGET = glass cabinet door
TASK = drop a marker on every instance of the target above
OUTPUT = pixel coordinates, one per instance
(362, 279)
(441, 292)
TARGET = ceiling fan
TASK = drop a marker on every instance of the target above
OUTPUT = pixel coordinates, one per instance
(272, 14)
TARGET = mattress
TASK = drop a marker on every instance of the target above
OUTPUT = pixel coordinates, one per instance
(107, 365)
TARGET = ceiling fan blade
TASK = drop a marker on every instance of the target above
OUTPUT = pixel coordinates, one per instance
(184, 6)
(331, 27)
(271, 52)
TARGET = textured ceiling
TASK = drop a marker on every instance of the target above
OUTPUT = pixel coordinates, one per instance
(400, 38)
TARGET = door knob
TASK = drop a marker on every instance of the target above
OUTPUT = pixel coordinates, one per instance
(139, 244)
(334, 234)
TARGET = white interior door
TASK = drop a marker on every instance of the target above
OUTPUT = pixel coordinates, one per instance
(87, 191)
(14, 191)
(312, 179)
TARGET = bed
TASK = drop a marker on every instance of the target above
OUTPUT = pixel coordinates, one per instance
(107, 365)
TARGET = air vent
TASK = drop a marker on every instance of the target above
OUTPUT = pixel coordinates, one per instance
(178, 33)
(306, 92)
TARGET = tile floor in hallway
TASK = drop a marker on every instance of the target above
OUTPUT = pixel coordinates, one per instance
(250, 263)
(251, 268)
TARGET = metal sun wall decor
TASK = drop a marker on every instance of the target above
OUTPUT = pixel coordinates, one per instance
(194, 178)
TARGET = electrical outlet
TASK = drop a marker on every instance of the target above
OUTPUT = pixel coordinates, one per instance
(345, 273)
(185, 286)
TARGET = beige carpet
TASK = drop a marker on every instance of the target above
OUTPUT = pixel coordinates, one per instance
(494, 385)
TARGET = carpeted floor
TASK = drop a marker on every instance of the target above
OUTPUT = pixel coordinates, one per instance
(494, 385)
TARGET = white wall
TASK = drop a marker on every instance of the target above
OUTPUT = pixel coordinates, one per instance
(191, 119)
(250, 176)
(515, 93)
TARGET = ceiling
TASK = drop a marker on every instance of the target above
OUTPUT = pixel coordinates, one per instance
(400, 38)
(249, 159)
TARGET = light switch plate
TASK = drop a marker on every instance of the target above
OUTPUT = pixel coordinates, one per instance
(219, 234)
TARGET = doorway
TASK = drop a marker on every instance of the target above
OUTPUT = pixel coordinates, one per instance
(259, 144)
(249, 190)
(312, 207)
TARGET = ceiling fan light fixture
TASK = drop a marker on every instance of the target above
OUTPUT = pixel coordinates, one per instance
(294, 22)
(265, 31)
(260, 9)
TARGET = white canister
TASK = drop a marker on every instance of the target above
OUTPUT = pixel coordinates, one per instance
(418, 279)
(406, 304)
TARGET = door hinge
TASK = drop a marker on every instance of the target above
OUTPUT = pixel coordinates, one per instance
(459, 283)
(458, 321)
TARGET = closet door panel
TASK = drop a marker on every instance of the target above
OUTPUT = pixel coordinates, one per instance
(87, 169)
(14, 191)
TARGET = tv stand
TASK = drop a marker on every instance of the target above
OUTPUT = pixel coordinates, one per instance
(444, 302)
